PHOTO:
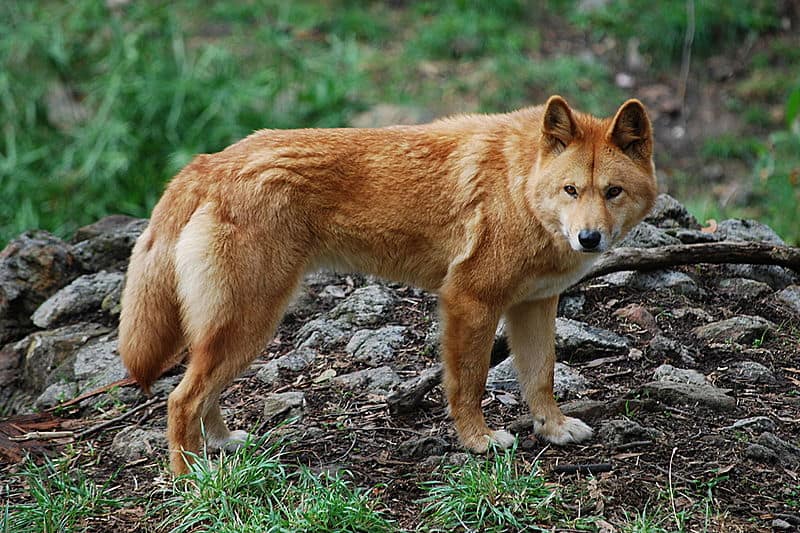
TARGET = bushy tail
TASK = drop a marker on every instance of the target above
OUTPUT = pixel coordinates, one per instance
(150, 326)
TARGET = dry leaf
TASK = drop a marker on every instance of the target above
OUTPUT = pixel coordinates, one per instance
(710, 227)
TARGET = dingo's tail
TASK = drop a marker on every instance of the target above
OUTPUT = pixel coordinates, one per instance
(150, 332)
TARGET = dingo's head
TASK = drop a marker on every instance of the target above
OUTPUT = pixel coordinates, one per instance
(595, 179)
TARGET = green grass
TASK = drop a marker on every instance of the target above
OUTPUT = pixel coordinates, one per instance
(62, 498)
(488, 494)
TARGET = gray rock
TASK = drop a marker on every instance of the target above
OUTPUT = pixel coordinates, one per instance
(84, 295)
(670, 213)
(645, 235)
(284, 405)
(294, 361)
(780, 524)
(107, 244)
(585, 409)
(662, 347)
(380, 380)
(657, 280)
(755, 423)
(691, 313)
(772, 449)
(366, 306)
(673, 393)
(751, 372)
(48, 356)
(567, 381)
(745, 288)
(112, 303)
(422, 447)
(578, 340)
(376, 346)
(32, 267)
(790, 298)
(503, 376)
(773, 275)
(322, 333)
(679, 375)
(56, 393)
(571, 305)
(385, 114)
(741, 329)
(97, 364)
(748, 230)
(694, 236)
(11, 359)
(623, 430)
(133, 443)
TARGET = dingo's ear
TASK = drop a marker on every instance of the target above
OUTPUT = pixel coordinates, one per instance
(559, 127)
(631, 131)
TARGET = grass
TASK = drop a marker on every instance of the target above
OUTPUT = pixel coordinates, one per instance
(494, 494)
(62, 499)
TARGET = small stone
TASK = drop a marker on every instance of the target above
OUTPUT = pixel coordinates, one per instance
(645, 235)
(623, 430)
(134, 443)
(567, 381)
(366, 306)
(781, 525)
(571, 305)
(639, 315)
(416, 448)
(790, 298)
(672, 280)
(679, 375)
(755, 423)
(673, 393)
(670, 213)
(458, 458)
(284, 405)
(322, 334)
(751, 372)
(83, 295)
(577, 340)
(380, 380)
(98, 364)
(662, 347)
(746, 289)
(740, 329)
(691, 313)
(107, 243)
(585, 409)
(376, 346)
(55, 394)
(771, 448)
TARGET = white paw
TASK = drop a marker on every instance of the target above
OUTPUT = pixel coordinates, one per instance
(570, 430)
(502, 439)
(231, 443)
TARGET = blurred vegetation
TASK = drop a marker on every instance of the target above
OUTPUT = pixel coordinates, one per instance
(100, 105)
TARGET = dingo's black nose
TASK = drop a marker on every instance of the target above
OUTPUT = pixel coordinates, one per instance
(589, 239)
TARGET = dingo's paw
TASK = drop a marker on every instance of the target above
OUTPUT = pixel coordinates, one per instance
(232, 442)
(568, 431)
(480, 444)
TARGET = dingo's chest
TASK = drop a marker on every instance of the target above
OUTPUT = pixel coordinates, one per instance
(542, 286)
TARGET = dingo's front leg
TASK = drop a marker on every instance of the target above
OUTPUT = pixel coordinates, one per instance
(531, 333)
(467, 336)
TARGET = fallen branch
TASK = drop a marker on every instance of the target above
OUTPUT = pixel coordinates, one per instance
(409, 394)
(102, 425)
(723, 252)
(586, 469)
(42, 435)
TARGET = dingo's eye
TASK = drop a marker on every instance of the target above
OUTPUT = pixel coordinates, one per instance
(571, 190)
(613, 192)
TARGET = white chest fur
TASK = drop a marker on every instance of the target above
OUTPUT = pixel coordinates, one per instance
(547, 285)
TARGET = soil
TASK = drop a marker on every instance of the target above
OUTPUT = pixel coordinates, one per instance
(694, 456)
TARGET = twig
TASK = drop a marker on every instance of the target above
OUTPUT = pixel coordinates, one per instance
(100, 390)
(589, 469)
(43, 435)
(94, 429)
(671, 492)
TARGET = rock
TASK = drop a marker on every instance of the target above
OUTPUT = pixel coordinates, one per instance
(390, 114)
(740, 329)
(585, 409)
(366, 306)
(664, 348)
(56, 393)
(84, 295)
(679, 375)
(673, 393)
(781, 525)
(376, 346)
(578, 340)
(10, 364)
(567, 381)
(692, 313)
(623, 430)
(773, 275)
(670, 213)
(571, 305)
(284, 405)
(748, 230)
(97, 364)
(693, 236)
(322, 333)
(294, 361)
(790, 298)
(751, 372)
(639, 315)
(133, 443)
(107, 244)
(744, 288)
(48, 356)
(645, 235)
(770, 448)
(755, 423)
(657, 280)
(32, 267)
(422, 447)
(380, 380)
